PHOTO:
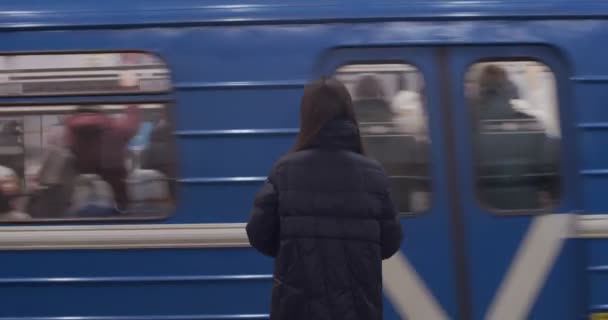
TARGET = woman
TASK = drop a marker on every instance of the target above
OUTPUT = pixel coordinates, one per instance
(326, 216)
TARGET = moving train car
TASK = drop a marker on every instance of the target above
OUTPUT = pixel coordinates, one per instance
(489, 117)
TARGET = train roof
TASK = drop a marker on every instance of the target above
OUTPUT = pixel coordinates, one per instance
(32, 14)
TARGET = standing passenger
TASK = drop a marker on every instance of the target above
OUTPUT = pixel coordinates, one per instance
(326, 216)
(99, 145)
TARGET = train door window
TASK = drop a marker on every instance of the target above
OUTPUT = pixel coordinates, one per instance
(516, 134)
(85, 161)
(389, 104)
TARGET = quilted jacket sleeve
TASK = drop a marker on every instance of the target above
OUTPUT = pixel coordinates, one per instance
(390, 228)
(263, 225)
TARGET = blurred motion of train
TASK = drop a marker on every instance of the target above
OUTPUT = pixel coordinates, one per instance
(488, 116)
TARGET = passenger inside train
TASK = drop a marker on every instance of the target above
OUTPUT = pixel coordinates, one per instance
(394, 127)
(522, 173)
(89, 163)
(85, 161)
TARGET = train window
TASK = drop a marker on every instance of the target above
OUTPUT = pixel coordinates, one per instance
(82, 74)
(516, 134)
(85, 162)
(389, 103)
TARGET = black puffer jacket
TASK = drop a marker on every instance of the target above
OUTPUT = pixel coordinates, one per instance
(326, 215)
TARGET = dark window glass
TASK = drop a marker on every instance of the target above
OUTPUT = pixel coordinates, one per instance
(88, 161)
(516, 134)
(389, 104)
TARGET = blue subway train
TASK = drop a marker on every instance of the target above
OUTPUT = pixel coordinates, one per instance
(135, 134)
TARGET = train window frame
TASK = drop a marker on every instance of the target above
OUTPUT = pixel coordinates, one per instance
(167, 214)
(165, 64)
(161, 97)
(427, 121)
(473, 150)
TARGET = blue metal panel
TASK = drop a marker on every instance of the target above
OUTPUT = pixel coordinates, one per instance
(215, 203)
(136, 298)
(594, 143)
(590, 96)
(597, 275)
(428, 231)
(565, 286)
(115, 13)
(238, 132)
(132, 263)
(250, 77)
(593, 118)
(208, 109)
(133, 279)
(492, 238)
(594, 185)
(176, 282)
(232, 155)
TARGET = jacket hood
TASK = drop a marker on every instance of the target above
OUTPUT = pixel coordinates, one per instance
(338, 134)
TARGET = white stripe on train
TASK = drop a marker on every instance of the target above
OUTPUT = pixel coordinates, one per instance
(519, 289)
(407, 292)
(403, 286)
(531, 266)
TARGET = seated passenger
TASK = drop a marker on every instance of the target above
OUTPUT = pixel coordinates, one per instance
(9, 181)
(510, 177)
(370, 104)
(496, 92)
(55, 180)
(9, 189)
(92, 197)
(388, 141)
(8, 214)
(376, 118)
(149, 192)
(99, 144)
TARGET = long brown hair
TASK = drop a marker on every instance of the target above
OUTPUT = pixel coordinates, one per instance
(324, 100)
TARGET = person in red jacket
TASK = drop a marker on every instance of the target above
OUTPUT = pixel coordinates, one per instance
(99, 145)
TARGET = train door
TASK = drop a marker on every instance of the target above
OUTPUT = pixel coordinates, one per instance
(482, 240)
(515, 181)
(399, 110)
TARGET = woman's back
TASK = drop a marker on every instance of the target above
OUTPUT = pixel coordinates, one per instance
(326, 215)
